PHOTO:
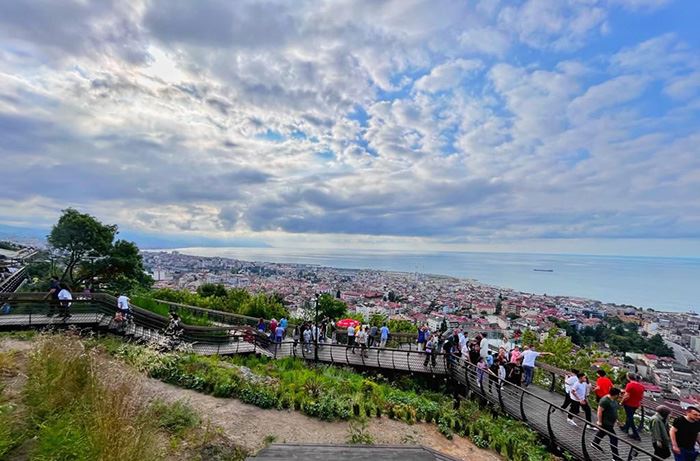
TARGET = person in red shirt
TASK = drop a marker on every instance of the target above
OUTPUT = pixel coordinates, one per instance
(634, 392)
(602, 385)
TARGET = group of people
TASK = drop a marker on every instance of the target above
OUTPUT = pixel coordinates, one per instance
(60, 297)
(366, 336)
(678, 440)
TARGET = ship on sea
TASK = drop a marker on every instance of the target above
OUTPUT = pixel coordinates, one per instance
(543, 270)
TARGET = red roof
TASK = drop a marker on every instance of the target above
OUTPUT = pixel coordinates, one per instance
(651, 356)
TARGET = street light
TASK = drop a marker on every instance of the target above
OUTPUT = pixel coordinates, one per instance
(316, 329)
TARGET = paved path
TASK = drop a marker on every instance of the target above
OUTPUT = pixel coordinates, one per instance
(552, 424)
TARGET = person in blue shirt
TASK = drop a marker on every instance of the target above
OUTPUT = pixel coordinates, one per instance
(383, 336)
(283, 322)
(421, 338)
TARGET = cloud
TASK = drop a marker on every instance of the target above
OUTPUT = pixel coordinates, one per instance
(442, 121)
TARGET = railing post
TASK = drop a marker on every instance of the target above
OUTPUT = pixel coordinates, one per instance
(584, 449)
(408, 359)
(554, 379)
(522, 406)
(552, 439)
(499, 383)
(640, 428)
(393, 364)
(466, 378)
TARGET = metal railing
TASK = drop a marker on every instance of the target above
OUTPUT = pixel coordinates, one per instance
(538, 412)
(526, 405)
(14, 281)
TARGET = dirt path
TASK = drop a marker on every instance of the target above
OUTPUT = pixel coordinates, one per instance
(248, 426)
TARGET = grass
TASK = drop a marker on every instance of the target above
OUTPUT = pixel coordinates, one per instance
(358, 433)
(176, 418)
(72, 413)
(330, 393)
(150, 304)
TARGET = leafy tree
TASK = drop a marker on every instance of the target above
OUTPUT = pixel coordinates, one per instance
(330, 307)
(512, 316)
(91, 256)
(79, 236)
(211, 289)
(264, 306)
(401, 326)
(378, 320)
(530, 337)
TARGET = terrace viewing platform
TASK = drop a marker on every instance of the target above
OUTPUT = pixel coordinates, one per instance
(538, 406)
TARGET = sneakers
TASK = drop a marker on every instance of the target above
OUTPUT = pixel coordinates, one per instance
(571, 422)
(596, 446)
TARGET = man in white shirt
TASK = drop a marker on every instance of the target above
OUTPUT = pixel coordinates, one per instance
(484, 347)
(529, 357)
(123, 303)
(64, 298)
(578, 398)
(570, 380)
(351, 337)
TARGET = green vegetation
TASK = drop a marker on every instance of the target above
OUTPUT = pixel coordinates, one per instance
(395, 326)
(72, 414)
(358, 433)
(331, 394)
(10, 246)
(89, 255)
(176, 417)
(148, 303)
(618, 335)
(233, 300)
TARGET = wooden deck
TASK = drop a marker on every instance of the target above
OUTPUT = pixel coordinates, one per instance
(292, 452)
(541, 410)
(536, 406)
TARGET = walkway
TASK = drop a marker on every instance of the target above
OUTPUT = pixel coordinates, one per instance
(278, 452)
(537, 407)
(540, 409)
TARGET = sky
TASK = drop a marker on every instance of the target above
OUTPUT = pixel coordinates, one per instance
(523, 125)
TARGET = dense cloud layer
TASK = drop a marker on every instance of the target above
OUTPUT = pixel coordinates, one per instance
(459, 121)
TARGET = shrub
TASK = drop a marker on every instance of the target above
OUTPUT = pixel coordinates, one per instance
(358, 433)
(175, 417)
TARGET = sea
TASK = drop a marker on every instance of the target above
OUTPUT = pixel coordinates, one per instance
(666, 284)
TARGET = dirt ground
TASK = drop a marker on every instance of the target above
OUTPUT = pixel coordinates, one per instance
(253, 427)
(249, 426)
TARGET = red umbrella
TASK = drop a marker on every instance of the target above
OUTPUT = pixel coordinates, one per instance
(344, 323)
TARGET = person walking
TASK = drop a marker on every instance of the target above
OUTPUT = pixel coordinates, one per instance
(261, 326)
(279, 334)
(570, 380)
(371, 339)
(421, 338)
(514, 372)
(351, 337)
(684, 435)
(308, 339)
(64, 298)
(529, 357)
(296, 334)
(493, 371)
(577, 395)
(362, 338)
(383, 336)
(430, 352)
(52, 295)
(607, 417)
(660, 438)
(634, 393)
(481, 369)
(515, 354)
(602, 385)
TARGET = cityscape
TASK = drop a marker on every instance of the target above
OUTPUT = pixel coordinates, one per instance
(427, 299)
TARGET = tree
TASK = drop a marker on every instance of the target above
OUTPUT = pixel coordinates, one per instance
(92, 257)
(330, 307)
(79, 236)
(212, 289)
(264, 306)
(530, 337)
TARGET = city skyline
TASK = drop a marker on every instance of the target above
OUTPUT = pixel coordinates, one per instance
(540, 125)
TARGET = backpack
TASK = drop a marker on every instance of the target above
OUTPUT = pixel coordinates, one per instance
(5, 309)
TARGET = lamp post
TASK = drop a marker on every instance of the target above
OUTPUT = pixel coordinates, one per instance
(316, 332)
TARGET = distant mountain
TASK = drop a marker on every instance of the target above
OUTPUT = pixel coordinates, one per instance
(143, 239)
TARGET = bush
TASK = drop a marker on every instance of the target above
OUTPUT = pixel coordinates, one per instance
(75, 415)
(358, 433)
(175, 417)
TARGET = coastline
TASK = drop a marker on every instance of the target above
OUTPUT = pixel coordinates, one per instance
(661, 283)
